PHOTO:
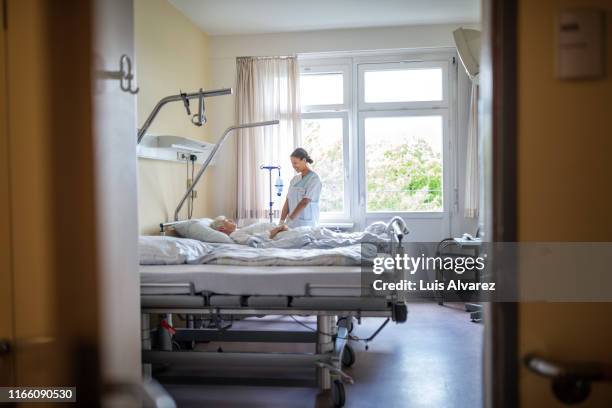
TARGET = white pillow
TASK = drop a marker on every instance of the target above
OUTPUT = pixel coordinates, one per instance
(205, 221)
(158, 250)
(200, 230)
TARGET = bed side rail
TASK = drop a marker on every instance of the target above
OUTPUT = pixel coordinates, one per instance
(189, 286)
(397, 228)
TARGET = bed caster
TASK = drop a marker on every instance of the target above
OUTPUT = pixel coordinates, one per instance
(184, 345)
(400, 312)
(338, 394)
(343, 322)
(348, 356)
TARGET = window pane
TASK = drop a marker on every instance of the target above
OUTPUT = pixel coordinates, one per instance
(321, 89)
(322, 138)
(407, 85)
(404, 163)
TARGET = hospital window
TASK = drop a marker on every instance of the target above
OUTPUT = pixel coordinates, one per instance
(403, 163)
(325, 98)
(403, 111)
(377, 127)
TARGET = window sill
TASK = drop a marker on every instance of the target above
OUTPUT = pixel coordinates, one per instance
(406, 215)
(344, 226)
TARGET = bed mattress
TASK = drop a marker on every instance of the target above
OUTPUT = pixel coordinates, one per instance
(253, 280)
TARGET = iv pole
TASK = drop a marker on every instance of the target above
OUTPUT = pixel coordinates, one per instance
(279, 187)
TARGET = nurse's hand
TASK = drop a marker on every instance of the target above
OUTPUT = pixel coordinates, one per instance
(274, 232)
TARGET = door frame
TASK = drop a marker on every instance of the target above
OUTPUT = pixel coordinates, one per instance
(499, 134)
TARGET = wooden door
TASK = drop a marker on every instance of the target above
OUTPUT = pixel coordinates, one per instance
(68, 278)
(6, 274)
(564, 191)
(548, 146)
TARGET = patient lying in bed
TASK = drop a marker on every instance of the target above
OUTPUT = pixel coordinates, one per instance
(261, 230)
(268, 235)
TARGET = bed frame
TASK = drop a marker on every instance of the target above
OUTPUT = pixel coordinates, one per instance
(336, 316)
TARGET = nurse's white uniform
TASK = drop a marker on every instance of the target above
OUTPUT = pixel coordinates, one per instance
(300, 187)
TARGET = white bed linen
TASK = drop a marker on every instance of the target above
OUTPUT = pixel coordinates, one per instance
(241, 255)
(254, 280)
(318, 237)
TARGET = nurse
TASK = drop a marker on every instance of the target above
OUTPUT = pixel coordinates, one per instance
(302, 205)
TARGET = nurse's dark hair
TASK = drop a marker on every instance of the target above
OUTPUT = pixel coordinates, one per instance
(301, 154)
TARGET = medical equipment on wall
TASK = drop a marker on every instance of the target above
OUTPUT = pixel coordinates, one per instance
(278, 185)
(212, 154)
(188, 181)
(199, 119)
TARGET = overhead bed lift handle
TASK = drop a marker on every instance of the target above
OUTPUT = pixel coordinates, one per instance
(212, 155)
(176, 98)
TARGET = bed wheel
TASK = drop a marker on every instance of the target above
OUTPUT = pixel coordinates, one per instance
(338, 395)
(350, 325)
(348, 356)
(185, 345)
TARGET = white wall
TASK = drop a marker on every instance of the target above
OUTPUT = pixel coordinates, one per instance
(225, 49)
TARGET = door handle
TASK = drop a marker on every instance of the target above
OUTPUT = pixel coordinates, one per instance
(571, 382)
(5, 347)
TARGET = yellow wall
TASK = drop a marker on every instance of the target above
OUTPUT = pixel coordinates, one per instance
(564, 187)
(171, 54)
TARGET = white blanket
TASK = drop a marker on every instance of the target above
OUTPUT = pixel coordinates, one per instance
(318, 237)
(233, 254)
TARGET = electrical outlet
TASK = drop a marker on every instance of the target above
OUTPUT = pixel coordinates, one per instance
(182, 156)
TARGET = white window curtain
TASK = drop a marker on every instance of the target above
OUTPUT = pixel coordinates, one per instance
(267, 88)
(472, 184)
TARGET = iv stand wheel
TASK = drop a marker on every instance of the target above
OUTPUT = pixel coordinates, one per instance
(338, 394)
(348, 356)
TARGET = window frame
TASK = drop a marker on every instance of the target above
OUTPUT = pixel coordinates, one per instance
(345, 215)
(333, 68)
(398, 66)
(351, 62)
(343, 111)
(362, 192)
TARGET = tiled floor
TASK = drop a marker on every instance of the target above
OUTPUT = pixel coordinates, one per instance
(433, 360)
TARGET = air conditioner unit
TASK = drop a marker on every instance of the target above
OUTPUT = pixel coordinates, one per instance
(468, 48)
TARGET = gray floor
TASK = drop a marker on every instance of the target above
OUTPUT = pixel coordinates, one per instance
(433, 360)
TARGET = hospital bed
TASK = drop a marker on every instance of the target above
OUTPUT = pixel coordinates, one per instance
(217, 294)
(212, 296)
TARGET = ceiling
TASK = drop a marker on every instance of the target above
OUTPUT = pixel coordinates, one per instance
(226, 17)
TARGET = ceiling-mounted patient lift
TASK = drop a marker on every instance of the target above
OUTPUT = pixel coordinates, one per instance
(198, 119)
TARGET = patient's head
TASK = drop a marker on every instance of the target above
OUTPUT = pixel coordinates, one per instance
(223, 224)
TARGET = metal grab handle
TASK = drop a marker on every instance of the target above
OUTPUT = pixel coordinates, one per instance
(204, 166)
(571, 382)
